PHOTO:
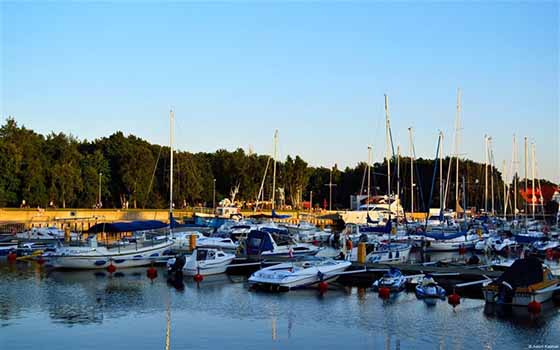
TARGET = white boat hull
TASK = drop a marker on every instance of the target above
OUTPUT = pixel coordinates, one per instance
(306, 278)
(519, 299)
(101, 258)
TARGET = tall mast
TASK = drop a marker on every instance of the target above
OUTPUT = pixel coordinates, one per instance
(441, 171)
(504, 177)
(492, 171)
(533, 176)
(368, 173)
(457, 144)
(388, 139)
(486, 174)
(411, 170)
(274, 168)
(397, 198)
(171, 119)
(526, 174)
(515, 169)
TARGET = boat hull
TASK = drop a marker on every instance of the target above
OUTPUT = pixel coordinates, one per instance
(100, 260)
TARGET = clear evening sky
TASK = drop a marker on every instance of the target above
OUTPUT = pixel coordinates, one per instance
(233, 72)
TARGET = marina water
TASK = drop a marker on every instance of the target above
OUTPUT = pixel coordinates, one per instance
(95, 310)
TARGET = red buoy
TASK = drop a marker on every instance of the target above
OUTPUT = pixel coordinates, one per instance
(534, 307)
(454, 299)
(198, 278)
(151, 273)
(462, 250)
(384, 293)
(12, 257)
(323, 286)
(549, 254)
(111, 268)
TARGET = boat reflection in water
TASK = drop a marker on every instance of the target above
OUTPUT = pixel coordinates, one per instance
(83, 297)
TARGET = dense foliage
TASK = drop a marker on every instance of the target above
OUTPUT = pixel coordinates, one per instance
(60, 170)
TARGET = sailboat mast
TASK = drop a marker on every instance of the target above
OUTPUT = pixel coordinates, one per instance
(533, 177)
(492, 164)
(388, 139)
(526, 174)
(457, 144)
(171, 120)
(441, 171)
(486, 174)
(515, 162)
(274, 168)
(368, 174)
(504, 177)
(398, 196)
(411, 170)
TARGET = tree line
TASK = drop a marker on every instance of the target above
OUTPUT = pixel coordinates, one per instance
(59, 170)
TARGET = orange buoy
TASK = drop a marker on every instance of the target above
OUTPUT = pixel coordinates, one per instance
(384, 293)
(454, 299)
(40, 260)
(323, 286)
(151, 273)
(111, 268)
(198, 278)
(534, 307)
(12, 257)
(462, 250)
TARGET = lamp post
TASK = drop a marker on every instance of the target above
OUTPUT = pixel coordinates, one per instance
(99, 191)
(214, 194)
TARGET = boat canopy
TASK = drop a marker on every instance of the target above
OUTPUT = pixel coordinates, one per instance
(377, 229)
(523, 273)
(258, 242)
(131, 226)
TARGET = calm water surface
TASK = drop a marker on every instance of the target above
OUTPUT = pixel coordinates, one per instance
(89, 310)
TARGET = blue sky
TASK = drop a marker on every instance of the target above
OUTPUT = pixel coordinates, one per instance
(317, 71)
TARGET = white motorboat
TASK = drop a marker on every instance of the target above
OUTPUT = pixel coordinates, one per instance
(140, 252)
(298, 274)
(206, 261)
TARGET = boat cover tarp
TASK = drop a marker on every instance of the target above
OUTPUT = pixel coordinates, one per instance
(131, 226)
(523, 273)
(258, 242)
(377, 229)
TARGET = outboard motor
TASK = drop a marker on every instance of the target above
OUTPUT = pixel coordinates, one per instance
(175, 271)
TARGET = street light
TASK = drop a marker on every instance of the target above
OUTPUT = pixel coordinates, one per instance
(214, 195)
(99, 191)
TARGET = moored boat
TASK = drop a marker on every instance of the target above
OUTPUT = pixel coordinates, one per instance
(298, 274)
(392, 279)
(206, 261)
(524, 281)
